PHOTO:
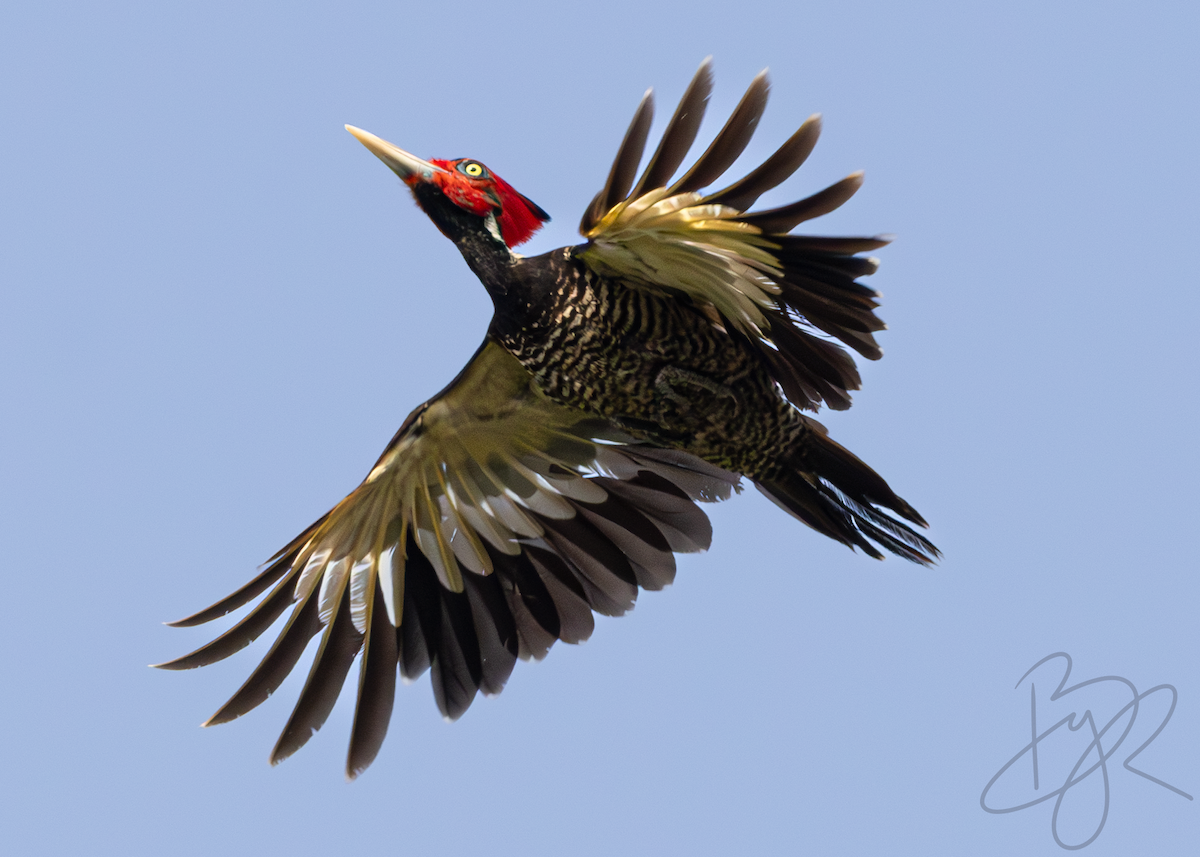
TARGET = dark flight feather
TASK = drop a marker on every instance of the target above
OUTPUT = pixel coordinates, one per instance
(624, 168)
(339, 645)
(376, 688)
(242, 634)
(302, 626)
(730, 141)
(774, 170)
(788, 217)
(680, 133)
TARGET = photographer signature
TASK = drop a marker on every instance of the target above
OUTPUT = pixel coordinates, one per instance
(1095, 750)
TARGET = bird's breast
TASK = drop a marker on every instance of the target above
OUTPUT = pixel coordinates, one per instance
(653, 364)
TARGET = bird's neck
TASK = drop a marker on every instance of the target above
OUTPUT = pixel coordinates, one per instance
(492, 262)
(477, 238)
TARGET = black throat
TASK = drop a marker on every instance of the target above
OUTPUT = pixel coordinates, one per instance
(521, 289)
(486, 254)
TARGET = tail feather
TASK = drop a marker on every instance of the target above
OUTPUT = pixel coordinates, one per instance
(833, 491)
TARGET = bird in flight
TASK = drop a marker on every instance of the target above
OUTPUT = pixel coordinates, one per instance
(621, 382)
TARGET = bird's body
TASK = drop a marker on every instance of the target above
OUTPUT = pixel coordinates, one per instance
(620, 382)
(649, 363)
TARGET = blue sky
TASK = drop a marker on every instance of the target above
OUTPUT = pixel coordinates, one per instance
(218, 307)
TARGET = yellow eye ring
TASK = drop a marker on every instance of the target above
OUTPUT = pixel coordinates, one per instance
(472, 169)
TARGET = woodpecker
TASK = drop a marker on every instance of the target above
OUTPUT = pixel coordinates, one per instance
(621, 382)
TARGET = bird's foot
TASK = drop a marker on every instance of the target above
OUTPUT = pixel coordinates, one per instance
(672, 382)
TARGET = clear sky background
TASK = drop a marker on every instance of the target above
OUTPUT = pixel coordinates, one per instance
(216, 307)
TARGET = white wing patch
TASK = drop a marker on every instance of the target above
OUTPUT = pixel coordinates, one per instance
(475, 468)
(680, 243)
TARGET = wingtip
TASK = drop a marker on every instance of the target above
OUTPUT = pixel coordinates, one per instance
(199, 618)
(761, 81)
(172, 665)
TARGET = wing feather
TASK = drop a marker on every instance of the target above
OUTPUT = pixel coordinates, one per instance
(339, 645)
(625, 165)
(277, 567)
(301, 627)
(773, 172)
(495, 523)
(376, 688)
(534, 609)
(496, 630)
(680, 133)
(778, 290)
(242, 634)
(608, 580)
(420, 619)
(788, 217)
(637, 538)
(456, 667)
(730, 141)
(566, 593)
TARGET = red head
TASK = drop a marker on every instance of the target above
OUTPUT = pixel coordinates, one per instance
(471, 186)
(466, 183)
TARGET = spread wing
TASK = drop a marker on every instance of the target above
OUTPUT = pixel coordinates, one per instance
(493, 524)
(742, 268)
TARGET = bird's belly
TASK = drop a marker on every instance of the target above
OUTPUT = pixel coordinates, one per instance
(661, 371)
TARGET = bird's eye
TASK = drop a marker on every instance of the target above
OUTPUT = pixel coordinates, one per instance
(472, 169)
